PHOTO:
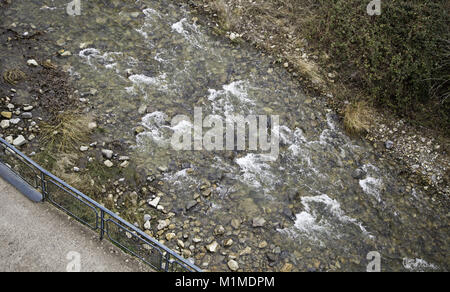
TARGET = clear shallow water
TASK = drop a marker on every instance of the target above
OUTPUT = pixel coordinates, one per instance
(164, 60)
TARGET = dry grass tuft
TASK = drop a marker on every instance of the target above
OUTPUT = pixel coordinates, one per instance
(358, 117)
(81, 181)
(67, 131)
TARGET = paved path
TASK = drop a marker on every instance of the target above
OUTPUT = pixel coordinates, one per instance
(38, 237)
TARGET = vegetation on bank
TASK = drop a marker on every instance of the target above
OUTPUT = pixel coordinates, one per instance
(397, 60)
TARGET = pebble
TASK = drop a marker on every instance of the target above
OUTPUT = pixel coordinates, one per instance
(233, 265)
(32, 62)
(4, 124)
(6, 115)
(258, 222)
(19, 141)
(154, 203)
(84, 148)
(92, 125)
(108, 163)
(358, 173)
(213, 247)
(191, 204)
(107, 153)
(389, 144)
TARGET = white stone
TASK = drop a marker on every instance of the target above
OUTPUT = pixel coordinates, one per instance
(147, 225)
(4, 124)
(84, 148)
(107, 153)
(154, 203)
(108, 163)
(92, 125)
(32, 62)
(213, 247)
(19, 141)
(233, 265)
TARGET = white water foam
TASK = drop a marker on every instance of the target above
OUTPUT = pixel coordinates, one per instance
(308, 224)
(142, 82)
(372, 185)
(158, 131)
(231, 99)
(189, 31)
(255, 170)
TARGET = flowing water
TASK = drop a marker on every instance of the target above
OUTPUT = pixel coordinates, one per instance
(318, 217)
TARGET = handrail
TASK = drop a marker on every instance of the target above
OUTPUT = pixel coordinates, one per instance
(44, 173)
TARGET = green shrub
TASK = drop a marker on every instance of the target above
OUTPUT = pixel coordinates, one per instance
(400, 58)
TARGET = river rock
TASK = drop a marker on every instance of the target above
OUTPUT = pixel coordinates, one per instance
(233, 265)
(108, 163)
(154, 203)
(19, 141)
(287, 268)
(4, 124)
(27, 116)
(389, 144)
(220, 230)
(258, 222)
(32, 63)
(107, 153)
(213, 247)
(228, 242)
(163, 224)
(191, 204)
(235, 223)
(170, 236)
(358, 173)
(6, 115)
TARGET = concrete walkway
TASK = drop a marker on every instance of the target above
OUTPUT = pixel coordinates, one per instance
(38, 237)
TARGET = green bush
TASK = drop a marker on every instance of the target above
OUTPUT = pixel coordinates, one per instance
(400, 58)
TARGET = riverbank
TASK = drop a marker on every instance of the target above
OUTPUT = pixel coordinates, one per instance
(425, 152)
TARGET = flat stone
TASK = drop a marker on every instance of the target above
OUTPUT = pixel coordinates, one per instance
(7, 115)
(84, 148)
(191, 204)
(19, 141)
(258, 222)
(27, 116)
(170, 236)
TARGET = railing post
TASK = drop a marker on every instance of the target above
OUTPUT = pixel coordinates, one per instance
(43, 187)
(102, 224)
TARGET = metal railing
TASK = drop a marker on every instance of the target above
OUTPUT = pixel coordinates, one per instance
(93, 215)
